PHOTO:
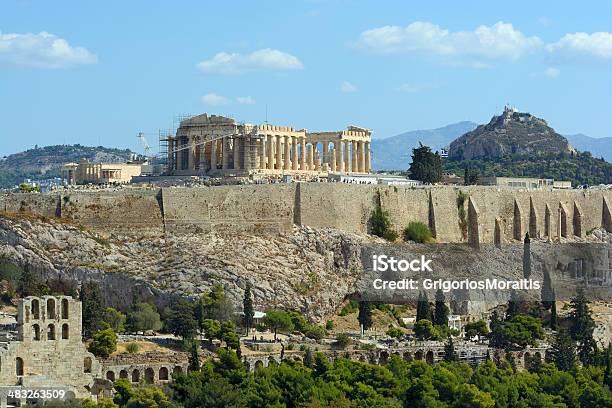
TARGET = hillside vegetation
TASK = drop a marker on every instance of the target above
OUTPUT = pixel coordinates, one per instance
(45, 162)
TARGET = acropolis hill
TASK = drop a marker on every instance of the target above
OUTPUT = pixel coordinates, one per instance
(491, 214)
(299, 244)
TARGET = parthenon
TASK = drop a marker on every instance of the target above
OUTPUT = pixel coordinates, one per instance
(217, 145)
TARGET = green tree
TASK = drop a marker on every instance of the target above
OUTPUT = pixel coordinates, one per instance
(582, 326)
(276, 320)
(29, 283)
(527, 257)
(478, 328)
(423, 307)
(522, 330)
(149, 397)
(180, 320)
(440, 310)
(211, 329)
(365, 314)
(426, 166)
(92, 310)
(425, 330)
(563, 352)
(142, 317)
(471, 176)
(103, 343)
(194, 358)
(249, 311)
(449, 351)
(115, 319)
(343, 340)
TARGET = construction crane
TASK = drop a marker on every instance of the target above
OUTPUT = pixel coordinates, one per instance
(147, 149)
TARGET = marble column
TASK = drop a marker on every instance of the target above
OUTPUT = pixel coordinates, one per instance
(338, 150)
(347, 156)
(354, 156)
(190, 155)
(279, 153)
(332, 160)
(310, 156)
(325, 152)
(302, 153)
(368, 157)
(213, 155)
(270, 144)
(294, 153)
(360, 157)
(225, 153)
(262, 152)
(287, 165)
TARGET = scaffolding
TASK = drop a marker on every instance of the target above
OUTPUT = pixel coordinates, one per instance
(164, 137)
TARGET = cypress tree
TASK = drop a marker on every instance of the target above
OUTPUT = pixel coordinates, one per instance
(423, 308)
(92, 309)
(308, 360)
(513, 305)
(553, 315)
(547, 293)
(449, 351)
(527, 257)
(365, 315)
(194, 358)
(249, 312)
(608, 364)
(563, 352)
(441, 310)
(582, 326)
(29, 283)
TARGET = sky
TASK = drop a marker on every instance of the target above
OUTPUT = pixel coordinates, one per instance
(100, 72)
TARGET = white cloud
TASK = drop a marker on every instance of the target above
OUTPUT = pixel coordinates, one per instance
(42, 50)
(347, 87)
(483, 45)
(582, 48)
(552, 72)
(245, 100)
(214, 100)
(261, 60)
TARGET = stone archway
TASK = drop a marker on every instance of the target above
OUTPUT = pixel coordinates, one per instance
(177, 370)
(429, 357)
(163, 374)
(135, 376)
(258, 364)
(418, 355)
(149, 376)
(408, 356)
(383, 357)
(123, 374)
(110, 375)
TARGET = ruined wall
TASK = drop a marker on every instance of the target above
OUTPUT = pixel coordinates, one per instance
(454, 214)
(46, 205)
(120, 210)
(257, 209)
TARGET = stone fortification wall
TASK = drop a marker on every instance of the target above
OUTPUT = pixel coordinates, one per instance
(119, 210)
(46, 205)
(255, 209)
(468, 214)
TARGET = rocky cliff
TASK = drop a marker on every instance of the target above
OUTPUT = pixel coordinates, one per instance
(511, 133)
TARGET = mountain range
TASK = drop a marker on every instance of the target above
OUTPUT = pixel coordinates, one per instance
(394, 153)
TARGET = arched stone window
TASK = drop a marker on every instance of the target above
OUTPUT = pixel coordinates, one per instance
(35, 309)
(64, 331)
(177, 370)
(35, 332)
(429, 357)
(87, 365)
(135, 376)
(110, 375)
(51, 332)
(149, 375)
(19, 366)
(50, 308)
(64, 308)
(123, 374)
(163, 374)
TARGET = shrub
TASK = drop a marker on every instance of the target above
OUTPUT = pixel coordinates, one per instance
(315, 332)
(395, 332)
(350, 307)
(132, 348)
(418, 232)
(381, 225)
(343, 340)
(104, 343)
(329, 325)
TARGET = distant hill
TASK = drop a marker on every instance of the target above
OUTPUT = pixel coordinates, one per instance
(45, 162)
(599, 147)
(511, 133)
(394, 153)
(520, 144)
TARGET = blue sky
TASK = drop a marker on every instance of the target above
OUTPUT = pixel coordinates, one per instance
(99, 72)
